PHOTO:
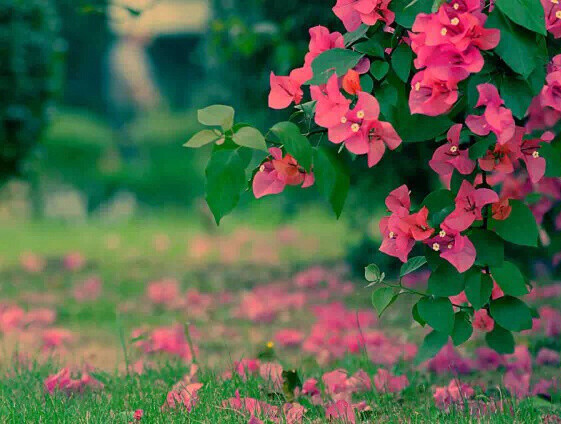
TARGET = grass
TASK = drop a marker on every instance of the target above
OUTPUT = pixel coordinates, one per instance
(102, 327)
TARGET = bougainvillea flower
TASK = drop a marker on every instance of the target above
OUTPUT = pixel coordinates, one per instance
(363, 133)
(399, 201)
(463, 6)
(496, 118)
(354, 12)
(449, 156)
(453, 247)
(530, 154)
(351, 82)
(274, 175)
(431, 95)
(501, 210)
(287, 90)
(331, 104)
(482, 321)
(551, 92)
(385, 382)
(469, 204)
(395, 242)
(448, 62)
(341, 411)
(416, 225)
(504, 156)
(552, 10)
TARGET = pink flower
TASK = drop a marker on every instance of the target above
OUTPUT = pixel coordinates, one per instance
(496, 118)
(449, 156)
(455, 248)
(354, 12)
(552, 17)
(331, 104)
(310, 388)
(272, 373)
(548, 357)
(504, 156)
(275, 174)
(363, 133)
(342, 411)
(138, 414)
(163, 292)
(351, 82)
(74, 261)
(530, 154)
(431, 95)
(456, 393)
(482, 321)
(517, 384)
(551, 92)
(33, 263)
(488, 359)
(294, 413)
(395, 242)
(289, 337)
(398, 201)
(385, 382)
(87, 290)
(183, 396)
(55, 337)
(62, 381)
(286, 90)
(469, 204)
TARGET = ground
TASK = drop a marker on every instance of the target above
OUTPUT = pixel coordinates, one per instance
(165, 320)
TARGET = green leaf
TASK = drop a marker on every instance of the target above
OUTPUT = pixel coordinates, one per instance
(217, 116)
(402, 59)
(440, 204)
(518, 47)
(332, 179)
(294, 143)
(383, 297)
(366, 83)
(519, 228)
(500, 340)
(527, 13)
(407, 10)
(438, 313)
(511, 313)
(337, 61)
(372, 273)
(462, 328)
(372, 47)
(357, 34)
(551, 152)
(203, 138)
(250, 137)
(379, 69)
(417, 128)
(416, 316)
(225, 180)
(412, 265)
(517, 95)
(446, 281)
(489, 247)
(479, 149)
(432, 344)
(510, 279)
(479, 287)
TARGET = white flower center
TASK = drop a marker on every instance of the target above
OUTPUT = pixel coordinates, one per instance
(360, 114)
(355, 127)
(442, 233)
(536, 154)
(436, 247)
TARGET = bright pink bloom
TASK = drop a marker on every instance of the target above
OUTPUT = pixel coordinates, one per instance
(469, 204)
(138, 414)
(163, 292)
(351, 82)
(501, 210)
(87, 290)
(496, 118)
(62, 381)
(449, 156)
(504, 156)
(530, 154)
(431, 95)
(385, 382)
(416, 225)
(482, 321)
(275, 174)
(310, 388)
(363, 133)
(548, 357)
(551, 92)
(294, 413)
(398, 201)
(331, 104)
(272, 373)
(395, 242)
(354, 12)
(552, 17)
(286, 90)
(455, 248)
(455, 393)
(74, 261)
(55, 337)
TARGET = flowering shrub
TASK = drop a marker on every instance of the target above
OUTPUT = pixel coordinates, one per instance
(480, 81)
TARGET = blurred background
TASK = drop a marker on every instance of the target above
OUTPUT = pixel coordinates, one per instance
(98, 96)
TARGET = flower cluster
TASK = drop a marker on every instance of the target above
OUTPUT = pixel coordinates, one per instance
(448, 46)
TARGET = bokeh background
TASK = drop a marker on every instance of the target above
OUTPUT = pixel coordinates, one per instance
(97, 98)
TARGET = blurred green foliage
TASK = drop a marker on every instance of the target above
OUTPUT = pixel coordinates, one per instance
(80, 151)
(30, 69)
